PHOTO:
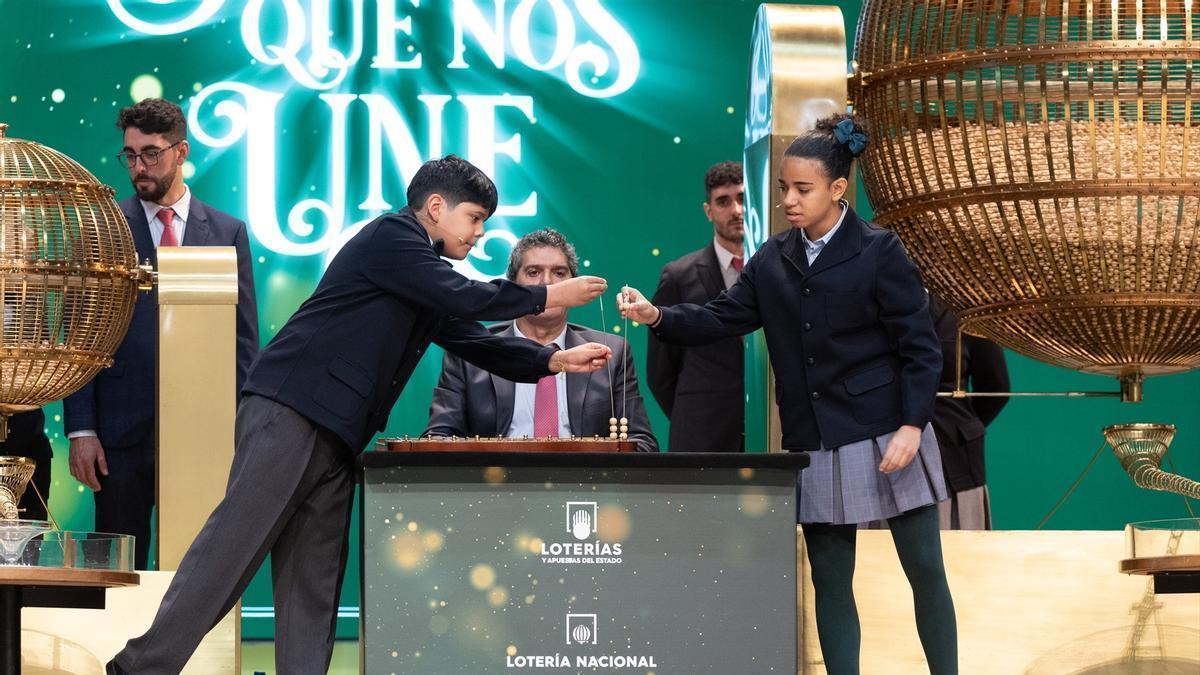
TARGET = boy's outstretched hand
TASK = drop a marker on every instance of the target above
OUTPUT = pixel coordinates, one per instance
(575, 292)
(634, 305)
(585, 358)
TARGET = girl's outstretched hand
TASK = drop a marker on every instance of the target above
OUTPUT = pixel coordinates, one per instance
(634, 305)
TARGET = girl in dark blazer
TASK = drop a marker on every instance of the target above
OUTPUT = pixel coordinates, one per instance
(856, 362)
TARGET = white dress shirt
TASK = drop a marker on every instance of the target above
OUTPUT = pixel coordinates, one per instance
(526, 393)
(725, 260)
(178, 223)
(812, 249)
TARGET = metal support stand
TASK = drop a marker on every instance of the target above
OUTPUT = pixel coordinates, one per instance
(10, 630)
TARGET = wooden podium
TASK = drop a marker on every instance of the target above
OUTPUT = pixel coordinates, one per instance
(482, 444)
(486, 555)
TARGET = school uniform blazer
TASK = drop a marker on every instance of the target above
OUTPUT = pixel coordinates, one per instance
(119, 403)
(344, 356)
(701, 389)
(469, 401)
(850, 338)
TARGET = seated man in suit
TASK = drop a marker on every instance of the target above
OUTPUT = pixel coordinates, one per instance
(470, 401)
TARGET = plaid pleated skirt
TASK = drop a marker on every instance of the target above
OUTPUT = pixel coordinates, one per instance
(845, 486)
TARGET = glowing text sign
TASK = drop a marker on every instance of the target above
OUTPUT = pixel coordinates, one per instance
(301, 39)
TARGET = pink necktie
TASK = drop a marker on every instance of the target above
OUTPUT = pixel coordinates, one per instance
(545, 408)
(167, 216)
(737, 264)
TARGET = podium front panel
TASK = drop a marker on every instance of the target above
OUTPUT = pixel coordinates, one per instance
(489, 568)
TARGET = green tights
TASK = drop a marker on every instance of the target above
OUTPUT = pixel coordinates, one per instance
(919, 546)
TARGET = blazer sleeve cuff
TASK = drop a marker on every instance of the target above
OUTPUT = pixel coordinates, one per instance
(916, 419)
(543, 359)
(539, 300)
(665, 322)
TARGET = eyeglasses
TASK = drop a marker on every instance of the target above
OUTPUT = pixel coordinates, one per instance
(149, 156)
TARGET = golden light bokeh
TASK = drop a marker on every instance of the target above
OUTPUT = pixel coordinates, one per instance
(494, 475)
(482, 576)
(753, 502)
(613, 523)
(408, 551)
(433, 541)
(511, 650)
(498, 596)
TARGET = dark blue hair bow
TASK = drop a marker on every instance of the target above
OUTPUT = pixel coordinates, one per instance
(846, 134)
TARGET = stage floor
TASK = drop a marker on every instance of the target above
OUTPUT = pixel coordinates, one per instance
(258, 656)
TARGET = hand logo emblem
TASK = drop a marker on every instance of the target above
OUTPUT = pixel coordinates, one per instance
(581, 524)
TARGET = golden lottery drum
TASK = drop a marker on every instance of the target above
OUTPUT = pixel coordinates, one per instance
(1040, 162)
(69, 275)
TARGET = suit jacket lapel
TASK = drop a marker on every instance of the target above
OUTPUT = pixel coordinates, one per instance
(506, 394)
(709, 271)
(792, 249)
(846, 243)
(577, 385)
(197, 232)
(140, 229)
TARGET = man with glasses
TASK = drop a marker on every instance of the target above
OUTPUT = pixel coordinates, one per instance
(111, 421)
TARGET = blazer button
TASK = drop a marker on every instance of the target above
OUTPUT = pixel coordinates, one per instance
(807, 291)
(810, 360)
(816, 395)
(807, 326)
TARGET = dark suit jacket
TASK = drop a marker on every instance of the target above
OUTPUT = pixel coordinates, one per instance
(119, 403)
(701, 389)
(470, 401)
(346, 354)
(27, 438)
(850, 338)
(960, 422)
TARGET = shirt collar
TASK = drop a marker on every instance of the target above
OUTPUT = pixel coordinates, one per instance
(724, 256)
(561, 340)
(181, 207)
(820, 243)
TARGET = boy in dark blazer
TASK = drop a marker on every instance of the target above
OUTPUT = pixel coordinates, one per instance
(111, 421)
(321, 389)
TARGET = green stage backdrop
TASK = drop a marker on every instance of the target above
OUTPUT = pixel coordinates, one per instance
(597, 117)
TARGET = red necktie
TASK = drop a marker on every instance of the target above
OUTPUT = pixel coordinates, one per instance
(737, 264)
(545, 408)
(167, 216)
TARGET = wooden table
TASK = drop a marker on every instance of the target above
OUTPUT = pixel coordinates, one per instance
(28, 586)
(1172, 573)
